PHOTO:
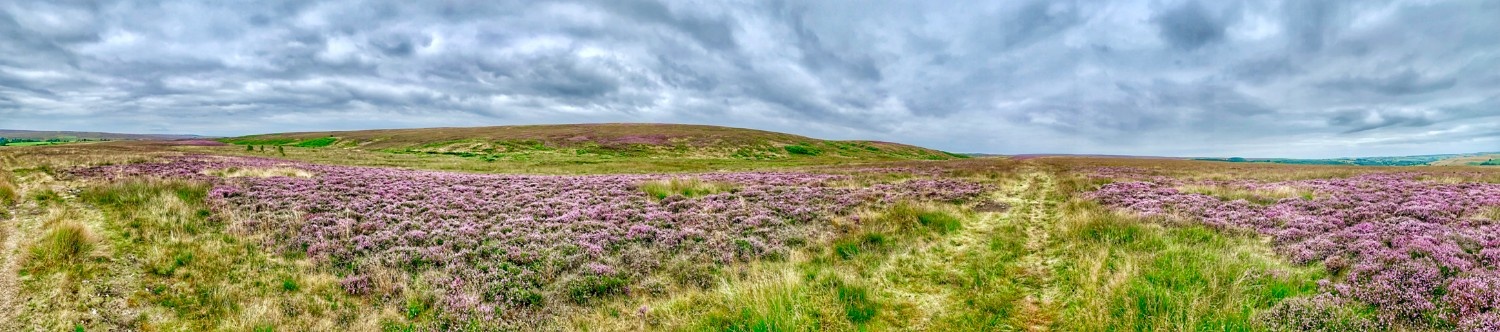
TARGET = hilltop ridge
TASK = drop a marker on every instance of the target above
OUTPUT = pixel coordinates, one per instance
(604, 139)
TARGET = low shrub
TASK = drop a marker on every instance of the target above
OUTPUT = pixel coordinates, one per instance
(802, 150)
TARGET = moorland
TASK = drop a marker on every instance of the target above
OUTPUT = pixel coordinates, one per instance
(675, 227)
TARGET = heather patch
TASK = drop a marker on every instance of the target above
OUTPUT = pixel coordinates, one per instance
(511, 250)
(1393, 241)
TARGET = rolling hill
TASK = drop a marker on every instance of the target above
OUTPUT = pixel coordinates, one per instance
(610, 139)
(1479, 158)
(77, 135)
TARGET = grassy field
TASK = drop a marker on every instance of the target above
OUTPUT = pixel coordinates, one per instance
(553, 145)
(1032, 251)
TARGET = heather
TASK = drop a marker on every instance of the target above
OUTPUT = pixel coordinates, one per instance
(1419, 252)
(158, 236)
(508, 249)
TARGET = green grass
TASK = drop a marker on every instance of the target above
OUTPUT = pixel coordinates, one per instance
(1254, 196)
(1141, 275)
(1051, 262)
(317, 142)
(259, 140)
(161, 259)
(802, 150)
(157, 254)
(686, 187)
(36, 143)
(620, 145)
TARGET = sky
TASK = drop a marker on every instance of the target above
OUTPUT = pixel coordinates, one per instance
(1288, 78)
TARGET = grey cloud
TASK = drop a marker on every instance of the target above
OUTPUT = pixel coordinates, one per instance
(1032, 76)
(713, 33)
(1371, 119)
(1189, 26)
(1310, 22)
(1399, 83)
(1038, 20)
(1261, 71)
(399, 45)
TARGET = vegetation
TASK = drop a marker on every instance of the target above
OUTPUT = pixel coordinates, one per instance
(593, 142)
(156, 236)
(40, 141)
(686, 187)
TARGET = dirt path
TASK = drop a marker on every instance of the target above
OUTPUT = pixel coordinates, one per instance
(1037, 212)
(10, 254)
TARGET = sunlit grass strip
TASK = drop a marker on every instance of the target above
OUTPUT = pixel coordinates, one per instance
(686, 187)
(890, 270)
(1262, 196)
(1129, 274)
(154, 255)
(261, 172)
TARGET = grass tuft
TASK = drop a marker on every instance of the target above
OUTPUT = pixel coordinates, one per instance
(9, 193)
(1255, 196)
(235, 172)
(1491, 213)
(686, 187)
(317, 142)
(65, 243)
(802, 150)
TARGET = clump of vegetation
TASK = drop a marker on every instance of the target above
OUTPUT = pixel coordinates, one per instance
(802, 150)
(317, 142)
(1490, 213)
(911, 216)
(686, 187)
(1261, 196)
(66, 246)
(261, 172)
(9, 193)
(161, 258)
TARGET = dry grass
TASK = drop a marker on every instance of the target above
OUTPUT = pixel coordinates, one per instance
(151, 255)
(235, 172)
(1491, 213)
(9, 192)
(686, 187)
(1256, 196)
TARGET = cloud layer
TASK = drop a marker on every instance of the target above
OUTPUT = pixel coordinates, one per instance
(1201, 78)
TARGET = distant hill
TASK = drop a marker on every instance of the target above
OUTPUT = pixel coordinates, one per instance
(1480, 158)
(609, 139)
(81, 135)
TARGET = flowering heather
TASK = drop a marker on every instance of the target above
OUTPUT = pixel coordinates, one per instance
(507, 247)
(1412, 249)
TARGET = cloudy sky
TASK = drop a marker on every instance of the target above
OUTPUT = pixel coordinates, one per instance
(1187, 78)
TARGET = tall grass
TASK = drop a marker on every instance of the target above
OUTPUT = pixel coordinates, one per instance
(1255, 196)
(162, 259)
(1054, 261)
(64, 243)
(1126, 273)
(1490, 213)
(686, 187)
(235, 172)
(9, 192)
